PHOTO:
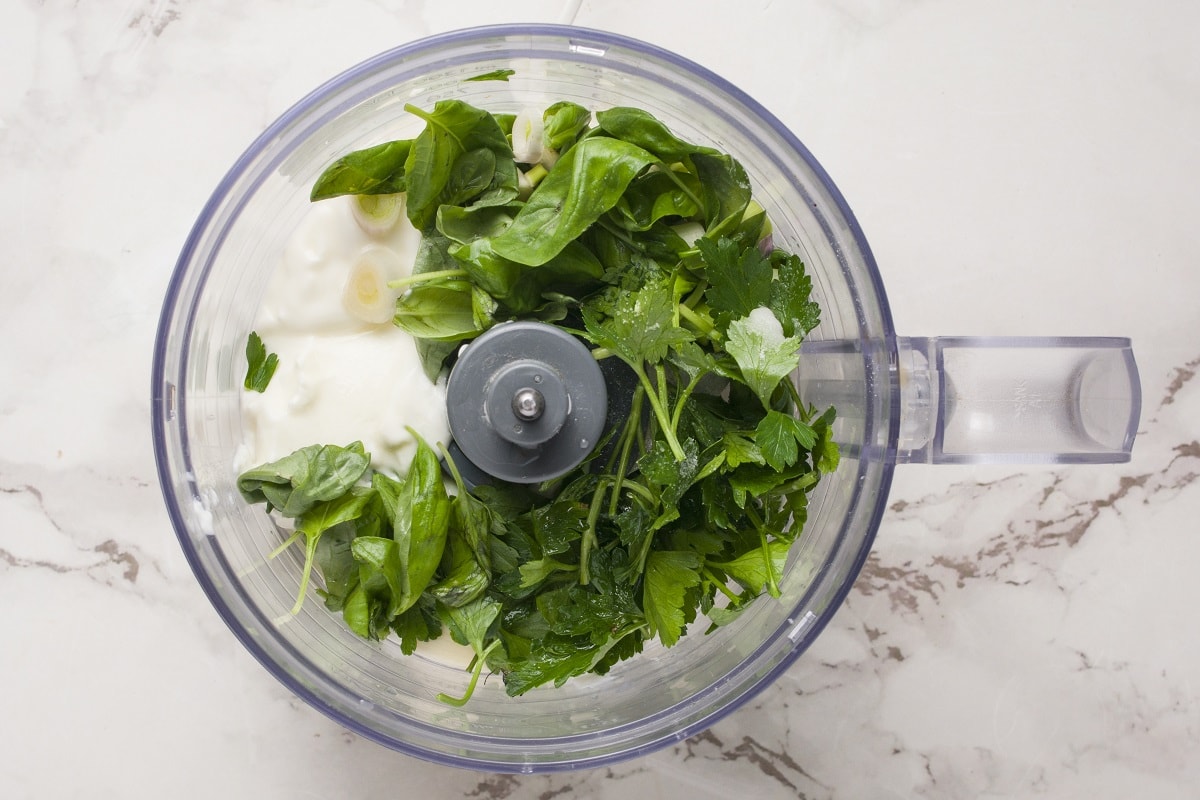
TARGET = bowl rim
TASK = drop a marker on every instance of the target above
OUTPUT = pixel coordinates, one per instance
(165, 408)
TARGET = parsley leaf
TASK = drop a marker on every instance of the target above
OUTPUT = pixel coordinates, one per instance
(779, 438)
(751, 569)
(763, 353)
(640, 325)
(669, 574)
(790, 296)
(260, 365)
(740, 279)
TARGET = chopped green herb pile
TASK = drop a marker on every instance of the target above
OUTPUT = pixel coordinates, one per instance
(652, 251)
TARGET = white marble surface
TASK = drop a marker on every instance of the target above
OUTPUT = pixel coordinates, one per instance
(1018, 166)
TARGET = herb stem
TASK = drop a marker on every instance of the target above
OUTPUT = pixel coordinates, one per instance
(683, 187)
(428, 277)
(698, 322)
(459, 702)
(589, 542)
(768, 562)
(682, 399)
(720, 585)
(640, 490)
(628, 437)
(664, 420)
(617, 232)
(288, 542)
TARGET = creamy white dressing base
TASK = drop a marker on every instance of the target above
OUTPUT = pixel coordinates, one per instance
(339, 379)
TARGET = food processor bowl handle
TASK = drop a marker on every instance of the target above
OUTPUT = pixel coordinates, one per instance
(974, 400)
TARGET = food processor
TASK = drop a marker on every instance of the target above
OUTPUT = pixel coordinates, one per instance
(899, 400)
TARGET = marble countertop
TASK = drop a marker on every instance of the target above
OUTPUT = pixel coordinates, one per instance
(1020, 167)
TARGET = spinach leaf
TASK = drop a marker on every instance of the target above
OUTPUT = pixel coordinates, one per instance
(587, 181)
(260, 366)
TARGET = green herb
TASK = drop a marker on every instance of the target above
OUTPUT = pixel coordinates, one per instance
(494, 75)
(692, 507)
(260, 365)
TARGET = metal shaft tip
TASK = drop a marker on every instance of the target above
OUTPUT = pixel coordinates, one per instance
(528, 404)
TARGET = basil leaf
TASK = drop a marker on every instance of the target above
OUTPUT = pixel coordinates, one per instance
(297, 482)
(374, 170)
(380, 569)
(337, 564)
(260, 366)
(440, 311)
(453, 129)
(726, 192)
(643, 129)
(656, 196)
(420, 525)
(522, 288)
(563, 122)
(494, 75)
(586, 182)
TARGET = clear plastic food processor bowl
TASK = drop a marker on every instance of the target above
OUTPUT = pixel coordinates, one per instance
(898, 400)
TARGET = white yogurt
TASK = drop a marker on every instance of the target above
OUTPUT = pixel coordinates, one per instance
(339, 379)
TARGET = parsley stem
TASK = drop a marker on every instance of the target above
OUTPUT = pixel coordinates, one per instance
(697, 321)
(720, 585)
(805, 416)
(628, 437)
(768, 562)
(641, 491)
(459, 702)
(664, 420)
(682, 399)
(588, 543)
(427, 277)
